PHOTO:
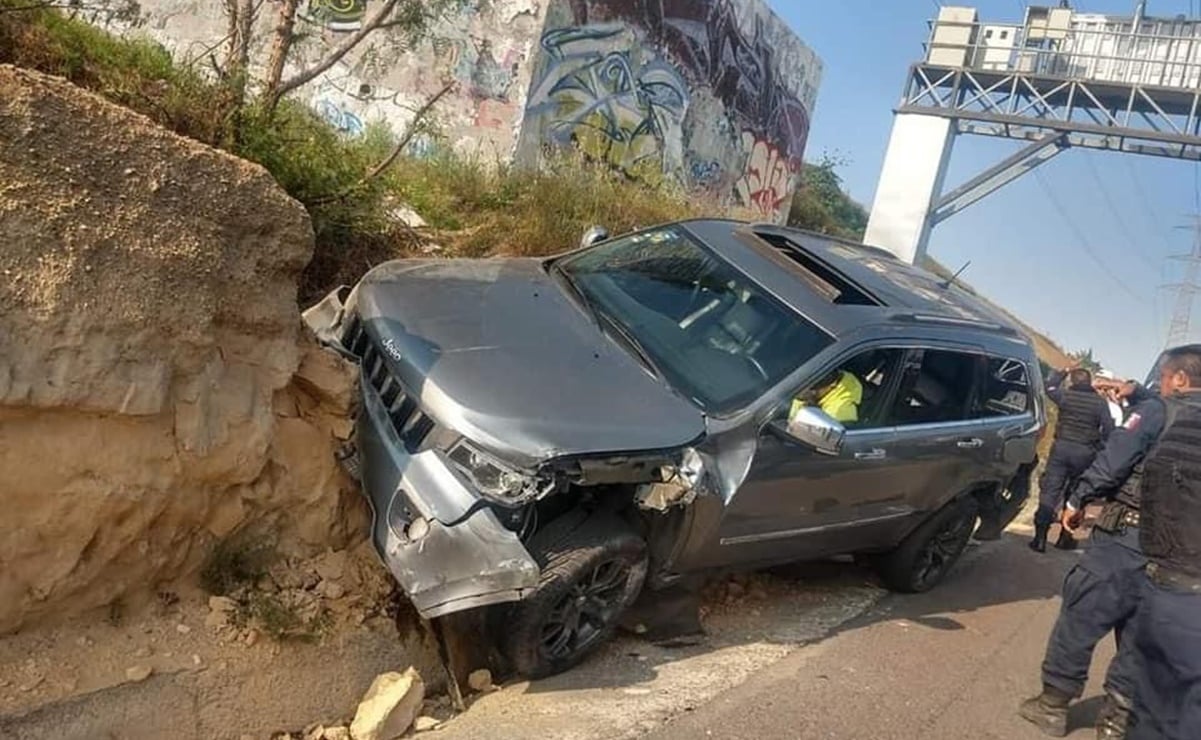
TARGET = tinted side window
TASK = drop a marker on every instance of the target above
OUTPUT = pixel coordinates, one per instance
(938, 387)
(1005, 390)
(856, 393)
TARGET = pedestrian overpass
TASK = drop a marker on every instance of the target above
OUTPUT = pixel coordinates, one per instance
(1059, 79)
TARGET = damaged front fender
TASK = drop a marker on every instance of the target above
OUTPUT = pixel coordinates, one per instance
(680, 485)
(474, 563)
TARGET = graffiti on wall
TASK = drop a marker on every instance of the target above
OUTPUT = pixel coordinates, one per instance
(598, 93)
(482, 70)
(337, 15)
(338, 116)
(620, 79)
(769, 177)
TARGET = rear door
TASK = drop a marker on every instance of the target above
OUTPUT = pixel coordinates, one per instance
(957, 414)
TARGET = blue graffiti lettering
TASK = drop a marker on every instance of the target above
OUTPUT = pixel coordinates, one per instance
(340, 118)
(593, 91)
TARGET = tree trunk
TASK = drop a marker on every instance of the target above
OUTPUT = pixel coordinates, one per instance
(276, 89)
(281, 47)
(235, 68)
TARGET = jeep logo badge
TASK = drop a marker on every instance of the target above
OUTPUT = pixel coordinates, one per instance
(390, 347)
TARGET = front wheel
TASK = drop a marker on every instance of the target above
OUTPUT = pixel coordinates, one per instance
(924, 557)
(590, 575)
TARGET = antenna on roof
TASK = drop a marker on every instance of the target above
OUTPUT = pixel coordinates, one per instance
(951, 280)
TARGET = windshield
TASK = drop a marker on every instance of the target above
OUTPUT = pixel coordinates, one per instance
(714, 335)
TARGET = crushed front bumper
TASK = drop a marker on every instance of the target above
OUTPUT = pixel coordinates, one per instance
(446, 551)
(446, 556)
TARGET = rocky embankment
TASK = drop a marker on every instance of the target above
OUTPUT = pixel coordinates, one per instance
(157, 394)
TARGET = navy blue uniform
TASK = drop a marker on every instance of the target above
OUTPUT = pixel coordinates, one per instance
(1084, 425)
(1168, 626)
(1101, 592)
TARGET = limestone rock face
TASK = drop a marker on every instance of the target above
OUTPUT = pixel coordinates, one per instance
(149, 348)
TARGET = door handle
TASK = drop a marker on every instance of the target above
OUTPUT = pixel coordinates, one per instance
(876, 454)
(970, 444)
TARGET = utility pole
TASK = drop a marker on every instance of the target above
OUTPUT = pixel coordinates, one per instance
(1179, 331)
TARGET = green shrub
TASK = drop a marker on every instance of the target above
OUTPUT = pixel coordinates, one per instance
(475, 207)
(138, 74)
(234, 563)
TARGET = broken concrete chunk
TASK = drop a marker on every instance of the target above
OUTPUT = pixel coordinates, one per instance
(425, 724)
(331, 566)
(480, 680)
(331, 590)
(221, 612)
(138, 673)
(222, 604)
(389, 707)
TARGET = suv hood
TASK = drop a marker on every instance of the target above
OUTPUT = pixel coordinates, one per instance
(497, 352)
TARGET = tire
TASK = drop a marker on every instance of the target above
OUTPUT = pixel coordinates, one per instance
(592, 571)
(924, 557)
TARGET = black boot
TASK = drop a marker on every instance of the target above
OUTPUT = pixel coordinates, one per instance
(1048, 711)
(1039, 543)
(1114, 717)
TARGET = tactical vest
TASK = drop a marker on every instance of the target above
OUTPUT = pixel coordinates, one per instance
(1080, 417)
(1171, 503)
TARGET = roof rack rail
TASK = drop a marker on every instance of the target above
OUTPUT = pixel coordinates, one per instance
(928, 318)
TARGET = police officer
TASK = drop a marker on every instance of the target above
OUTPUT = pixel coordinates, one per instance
(1167, 631)
(1084, 424)
(1100, 594)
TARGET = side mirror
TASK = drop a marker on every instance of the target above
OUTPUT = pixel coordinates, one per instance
(594, 235)
(814, 428)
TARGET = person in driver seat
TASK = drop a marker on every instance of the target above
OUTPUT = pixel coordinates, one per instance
(838, 394)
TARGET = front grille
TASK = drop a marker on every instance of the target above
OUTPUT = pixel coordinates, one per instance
(410, 423)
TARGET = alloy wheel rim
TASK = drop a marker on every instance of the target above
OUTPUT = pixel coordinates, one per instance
(579, 618)
(943, 548)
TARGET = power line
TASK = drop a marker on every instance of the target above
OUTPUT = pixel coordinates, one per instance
(1127, 233)
(1152, 211)
(1082, 239)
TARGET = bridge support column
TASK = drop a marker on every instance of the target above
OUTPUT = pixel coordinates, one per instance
(911, 181)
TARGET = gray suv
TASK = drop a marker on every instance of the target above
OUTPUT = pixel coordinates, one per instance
(548, 437)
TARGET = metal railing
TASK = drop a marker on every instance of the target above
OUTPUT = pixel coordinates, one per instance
(1153, 52)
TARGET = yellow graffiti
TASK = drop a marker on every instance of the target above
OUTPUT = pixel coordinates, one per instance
(635, 154)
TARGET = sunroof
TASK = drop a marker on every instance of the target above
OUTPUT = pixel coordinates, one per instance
(845, 291)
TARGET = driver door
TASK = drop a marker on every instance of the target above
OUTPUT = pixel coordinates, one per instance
(798, 503)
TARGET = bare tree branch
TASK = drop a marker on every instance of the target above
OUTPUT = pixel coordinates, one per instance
(410, 132)
(273, 94)
(414, 126)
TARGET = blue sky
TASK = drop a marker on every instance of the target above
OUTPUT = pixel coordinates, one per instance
(1028, 250)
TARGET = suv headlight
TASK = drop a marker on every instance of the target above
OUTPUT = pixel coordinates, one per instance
(491, 477)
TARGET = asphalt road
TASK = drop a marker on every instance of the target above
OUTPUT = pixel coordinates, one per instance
(950, 664)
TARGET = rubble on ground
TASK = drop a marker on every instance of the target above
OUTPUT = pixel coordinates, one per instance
(389, 707)
(480, 681)
(304, 598)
